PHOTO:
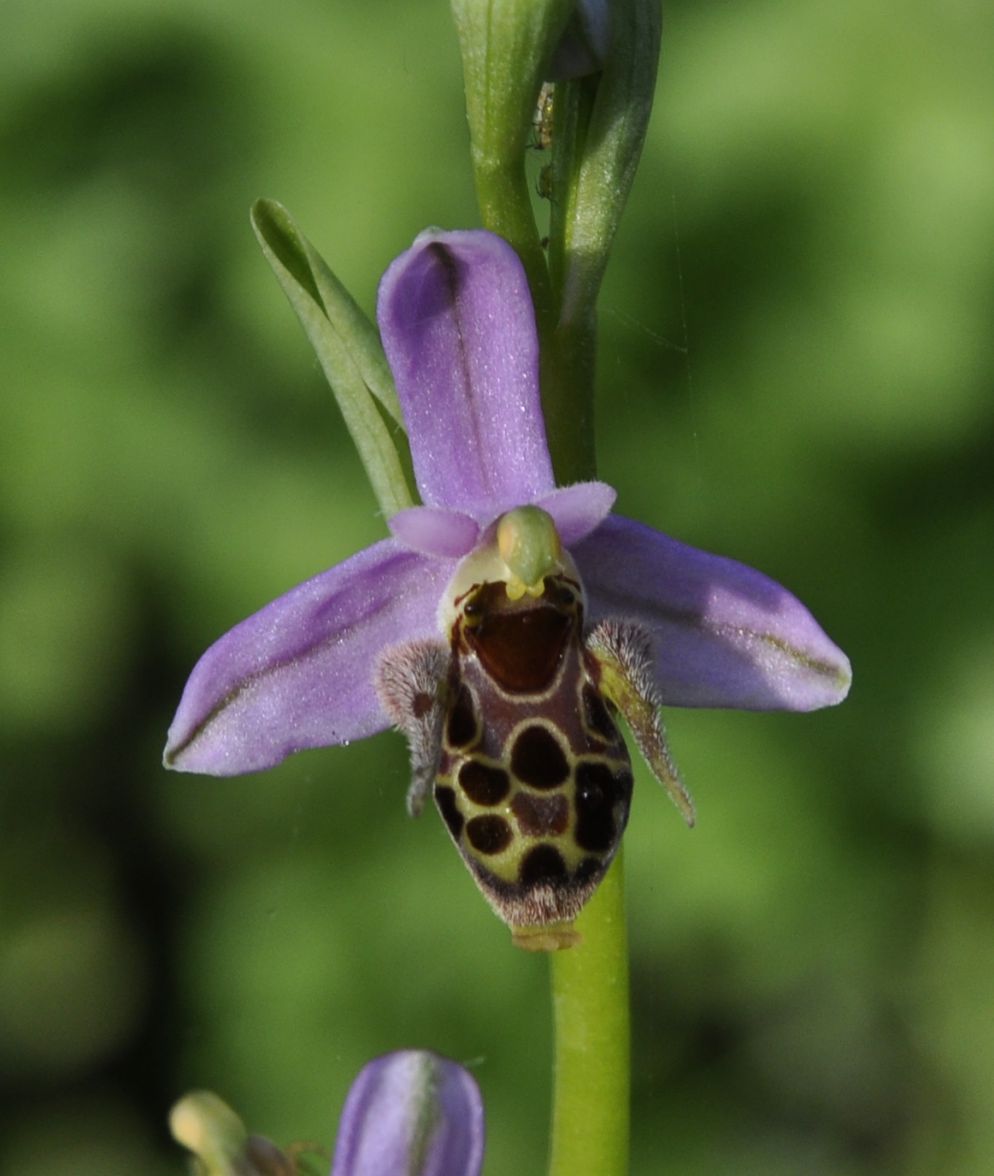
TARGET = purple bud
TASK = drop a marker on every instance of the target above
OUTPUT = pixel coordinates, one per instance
(585, 44)
(411, 1112)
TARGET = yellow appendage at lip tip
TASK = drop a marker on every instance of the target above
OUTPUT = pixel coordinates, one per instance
(548, 938)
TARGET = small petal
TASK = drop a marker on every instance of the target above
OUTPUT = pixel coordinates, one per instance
(432, 530)
(411, 1112)
(299, 673)
(577, 510)
(458, 327)
(723, 634)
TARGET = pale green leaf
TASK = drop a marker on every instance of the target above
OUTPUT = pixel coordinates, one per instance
(348, 349)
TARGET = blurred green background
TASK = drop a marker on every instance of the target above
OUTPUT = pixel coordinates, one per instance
(795, 370)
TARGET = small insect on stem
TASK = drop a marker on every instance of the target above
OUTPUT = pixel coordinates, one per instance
(542, 126)
(542, 119)
(543, 185)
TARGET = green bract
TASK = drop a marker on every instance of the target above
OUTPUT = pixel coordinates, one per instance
(601, 126)
(348, 349)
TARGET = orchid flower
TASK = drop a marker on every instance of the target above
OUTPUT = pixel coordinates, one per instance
(505, 621)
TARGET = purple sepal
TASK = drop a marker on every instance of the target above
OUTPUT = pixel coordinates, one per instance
(458, 328)
(432, 530)
(298, 673)
(411, 1113)
(723, 634)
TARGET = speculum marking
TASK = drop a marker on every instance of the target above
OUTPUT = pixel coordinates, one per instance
(484, 783)
(544, 863)
(537, 759)
(598, 790)
(489, 834)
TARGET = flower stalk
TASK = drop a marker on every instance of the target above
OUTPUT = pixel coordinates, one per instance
(590, 1111)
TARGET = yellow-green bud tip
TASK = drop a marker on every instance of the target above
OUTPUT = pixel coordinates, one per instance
(210, 1129)
(529, 545)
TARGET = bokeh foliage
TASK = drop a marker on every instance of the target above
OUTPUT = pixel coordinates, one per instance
(795, 370)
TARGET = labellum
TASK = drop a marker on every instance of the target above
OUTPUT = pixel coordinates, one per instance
(513, 728)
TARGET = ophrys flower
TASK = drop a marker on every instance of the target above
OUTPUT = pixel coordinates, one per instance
(501, 640)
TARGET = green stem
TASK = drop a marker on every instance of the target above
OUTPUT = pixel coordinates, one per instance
(505, 209)
(568, 358)
(590, 1110)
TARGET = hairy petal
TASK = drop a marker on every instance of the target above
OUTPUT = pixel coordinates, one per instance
(623, 651)
(299, 673)
(458, 327)
(579, 509)
(411, 1112)
(410, 684)
(723, 634)
(432, 530)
